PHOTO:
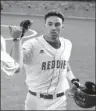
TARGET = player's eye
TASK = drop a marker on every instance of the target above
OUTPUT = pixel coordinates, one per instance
(50, 24)
(57, 24)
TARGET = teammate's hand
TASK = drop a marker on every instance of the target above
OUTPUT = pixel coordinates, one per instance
(15, 31)
(25, 25)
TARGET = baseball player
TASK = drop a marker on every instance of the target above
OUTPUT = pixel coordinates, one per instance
(8, 64)
(46, 60)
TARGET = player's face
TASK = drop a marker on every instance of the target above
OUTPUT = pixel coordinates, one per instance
(53, 27)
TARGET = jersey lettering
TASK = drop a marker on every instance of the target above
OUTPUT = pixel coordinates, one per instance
(44, 66)
(63, 63)
(58, 63)
(48, 64)
(53, 64)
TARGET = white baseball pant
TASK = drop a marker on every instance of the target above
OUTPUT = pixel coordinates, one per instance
(36, 103)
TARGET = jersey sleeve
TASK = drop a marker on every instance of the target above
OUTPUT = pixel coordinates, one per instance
(70, 74)
(27, 52)
(69, 48)
(3, 44)
(8, 64)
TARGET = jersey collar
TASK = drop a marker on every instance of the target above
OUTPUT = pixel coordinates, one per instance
(50, 48)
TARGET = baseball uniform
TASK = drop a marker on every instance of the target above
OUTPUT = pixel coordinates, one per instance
(3, 44)
(8, 64)
(46, 73)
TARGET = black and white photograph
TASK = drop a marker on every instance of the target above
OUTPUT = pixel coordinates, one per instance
(48, 55)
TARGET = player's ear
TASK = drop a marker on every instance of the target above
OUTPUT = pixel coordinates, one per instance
(63, 27)
(45, 25)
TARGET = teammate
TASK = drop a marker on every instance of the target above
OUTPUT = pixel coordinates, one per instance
(8, 64)
(46, 60)
(3, 44)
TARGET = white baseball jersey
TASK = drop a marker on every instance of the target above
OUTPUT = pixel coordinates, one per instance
(3, 44)
(46, 67)
(8, 64)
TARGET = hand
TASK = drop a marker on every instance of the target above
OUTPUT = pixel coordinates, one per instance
(76, 82)
(15, 31)
(25, 25)
(75, 86)
(72, 91)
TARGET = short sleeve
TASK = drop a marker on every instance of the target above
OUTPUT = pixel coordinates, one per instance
(3, 44)
(70, 48)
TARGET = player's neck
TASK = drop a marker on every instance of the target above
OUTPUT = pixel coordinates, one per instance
(47, 38)
(56, 43)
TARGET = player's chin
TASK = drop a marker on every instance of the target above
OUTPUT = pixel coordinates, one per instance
(54, 36)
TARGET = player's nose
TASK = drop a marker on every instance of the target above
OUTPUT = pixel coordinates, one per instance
(53, 27)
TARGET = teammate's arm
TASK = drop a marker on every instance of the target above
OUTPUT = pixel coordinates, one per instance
(8, 64)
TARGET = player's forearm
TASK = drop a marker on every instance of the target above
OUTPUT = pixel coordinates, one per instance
(73, 79)
(17, 52)
(70, 75)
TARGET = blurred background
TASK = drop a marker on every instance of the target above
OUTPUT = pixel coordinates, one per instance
(81, 31)
(70, 8)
